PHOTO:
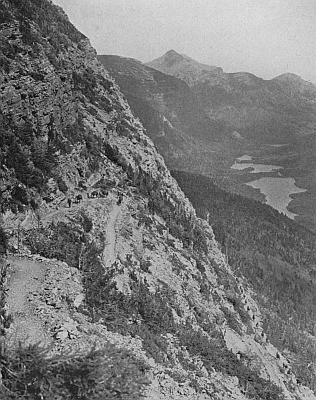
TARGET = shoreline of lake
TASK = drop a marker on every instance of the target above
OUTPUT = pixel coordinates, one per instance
(256, 168)
(278, 191)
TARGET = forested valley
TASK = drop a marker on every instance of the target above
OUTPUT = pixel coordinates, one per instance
(275, 255)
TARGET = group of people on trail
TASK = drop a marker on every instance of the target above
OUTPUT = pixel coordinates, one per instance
(94, 194)
(98, 193)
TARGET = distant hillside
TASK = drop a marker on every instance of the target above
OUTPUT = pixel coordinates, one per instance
(268, 111)
(166, 106)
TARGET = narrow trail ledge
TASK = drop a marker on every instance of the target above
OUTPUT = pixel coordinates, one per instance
(109, 255)
(26, 278)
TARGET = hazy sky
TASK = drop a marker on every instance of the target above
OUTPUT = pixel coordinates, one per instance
(265, 37)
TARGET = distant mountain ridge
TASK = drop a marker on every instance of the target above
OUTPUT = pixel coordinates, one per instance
(183, 67)
(275, 110)
(216, 105)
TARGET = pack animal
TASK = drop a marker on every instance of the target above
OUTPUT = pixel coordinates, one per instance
(78, 199)
(94, 194)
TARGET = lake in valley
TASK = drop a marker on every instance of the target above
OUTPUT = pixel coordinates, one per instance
(277, 190)
(256, 168)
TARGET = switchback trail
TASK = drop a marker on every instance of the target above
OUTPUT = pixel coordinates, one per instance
(26, 278)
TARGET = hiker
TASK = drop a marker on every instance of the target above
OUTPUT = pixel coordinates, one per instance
(69, 202)
(120, 198)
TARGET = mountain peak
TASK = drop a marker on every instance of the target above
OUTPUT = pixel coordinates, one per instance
(288, 76)
(172, 53)
(183, 67)
(170, 58)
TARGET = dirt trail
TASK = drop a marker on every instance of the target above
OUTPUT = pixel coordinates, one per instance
(109, 248)
(26, 278)
(63, 211)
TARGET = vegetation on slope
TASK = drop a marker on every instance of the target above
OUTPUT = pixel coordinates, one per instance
(149, 316)
(32, 373)
(27, 159)
(145, 314)
(30, 161)
(42, 13)
(3, 242)
(275, 255)
(5, 317)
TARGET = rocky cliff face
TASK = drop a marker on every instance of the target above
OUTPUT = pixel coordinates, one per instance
(57, 93)
(128, 262)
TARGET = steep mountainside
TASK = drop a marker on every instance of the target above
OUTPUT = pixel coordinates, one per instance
(275, 255)
(280, 110)
(170, 112)
(132, 293)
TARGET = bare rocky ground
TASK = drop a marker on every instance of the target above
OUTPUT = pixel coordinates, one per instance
(46, 300)
(27, 276)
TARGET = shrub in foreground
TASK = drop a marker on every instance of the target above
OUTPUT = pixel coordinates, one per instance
(30, 373)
